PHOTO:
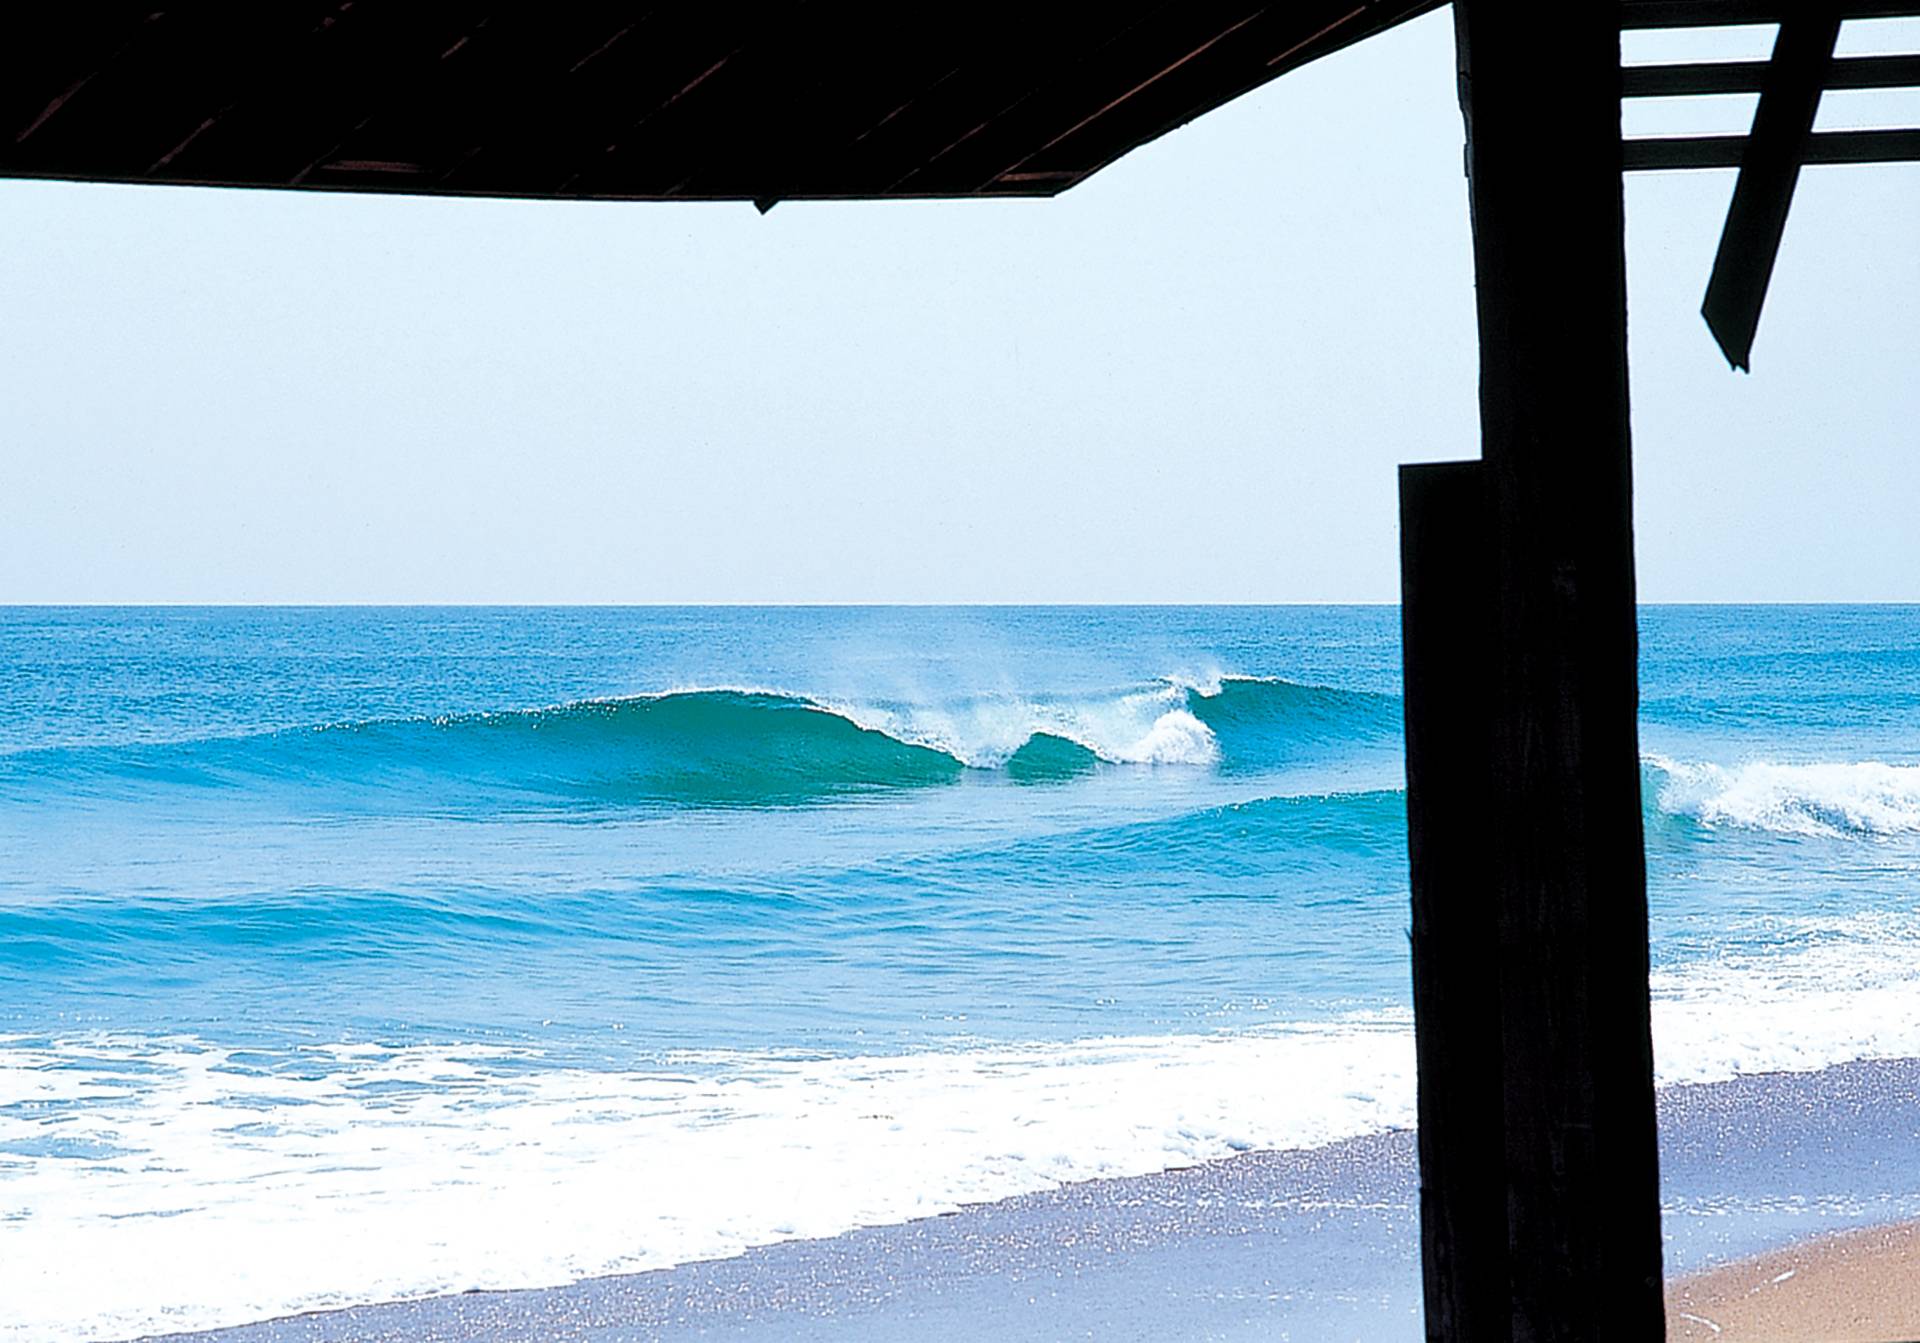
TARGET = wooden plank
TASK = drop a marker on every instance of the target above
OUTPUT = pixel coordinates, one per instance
(1540, 90)
(1844, 72)
(1447, 627)
(1239, 55)
(1727, 151)
(1715, 13)
(1757, 217)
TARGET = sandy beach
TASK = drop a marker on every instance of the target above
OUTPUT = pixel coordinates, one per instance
(1318, 1245)
(1856, 1287)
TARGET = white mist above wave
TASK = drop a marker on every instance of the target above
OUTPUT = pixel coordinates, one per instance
(1146, 727)
(1857, 798)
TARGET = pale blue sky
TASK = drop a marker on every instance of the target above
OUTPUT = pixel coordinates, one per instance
(1188, 380)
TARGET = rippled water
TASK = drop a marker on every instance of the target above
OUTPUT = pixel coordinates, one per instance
(357, 953)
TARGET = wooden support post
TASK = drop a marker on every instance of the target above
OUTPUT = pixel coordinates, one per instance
(1446, 640)
(1540, 91)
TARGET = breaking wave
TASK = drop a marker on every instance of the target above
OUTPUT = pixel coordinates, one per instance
(736, 746)
(1861, 798)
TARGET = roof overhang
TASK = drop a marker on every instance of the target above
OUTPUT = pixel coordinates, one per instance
(675, 101)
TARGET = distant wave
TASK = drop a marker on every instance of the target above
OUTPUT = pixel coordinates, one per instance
(739, 746)
(731, 746)
(1861, 798)
(701, 746)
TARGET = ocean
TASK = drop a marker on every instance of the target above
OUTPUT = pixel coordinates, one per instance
(349, 954)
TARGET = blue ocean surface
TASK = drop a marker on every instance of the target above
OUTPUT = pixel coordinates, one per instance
(354, 953)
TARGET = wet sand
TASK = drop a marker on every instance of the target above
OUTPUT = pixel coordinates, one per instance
(1319, 1245)
(1857, 1287)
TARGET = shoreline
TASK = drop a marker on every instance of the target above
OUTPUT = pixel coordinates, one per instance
(1860, 1286)
(1318, 1244)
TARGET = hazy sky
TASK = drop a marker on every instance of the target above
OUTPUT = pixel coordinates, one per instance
(1188, 380)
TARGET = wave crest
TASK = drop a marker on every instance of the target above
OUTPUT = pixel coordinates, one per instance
(1146, 727)
(1861, 798)
(734, 746)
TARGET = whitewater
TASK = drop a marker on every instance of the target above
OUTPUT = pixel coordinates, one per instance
(454, 949)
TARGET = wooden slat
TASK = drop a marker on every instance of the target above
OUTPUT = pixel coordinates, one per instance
(1846, 72)
(832, 133)
(1236, 54)
(578, 114)
(44, 69)
(1718, 13)
(1118, 58)
(1725, 151)
(507, 70)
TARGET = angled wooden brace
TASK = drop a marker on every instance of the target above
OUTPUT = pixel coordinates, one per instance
(1775, 149)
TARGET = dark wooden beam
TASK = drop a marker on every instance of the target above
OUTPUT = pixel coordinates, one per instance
(1716, 13)
(1447, 625)
(668, 100)
(1844, 72)
(1728, 151)
(1238, 56)
(1763, 193)
(1540, 91)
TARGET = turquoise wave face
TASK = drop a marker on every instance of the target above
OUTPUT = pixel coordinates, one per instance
(728, 748)
(701, 748)
(732, 749)
(1020, 823)
(1047, 758)
(1264, 723)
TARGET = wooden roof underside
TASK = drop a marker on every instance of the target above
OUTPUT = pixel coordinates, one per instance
(680, 101)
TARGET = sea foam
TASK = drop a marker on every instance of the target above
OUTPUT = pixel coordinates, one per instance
(221, 1191)
(1142, 727)
(1802, 993)
(188, 1185)
(1848, 798)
